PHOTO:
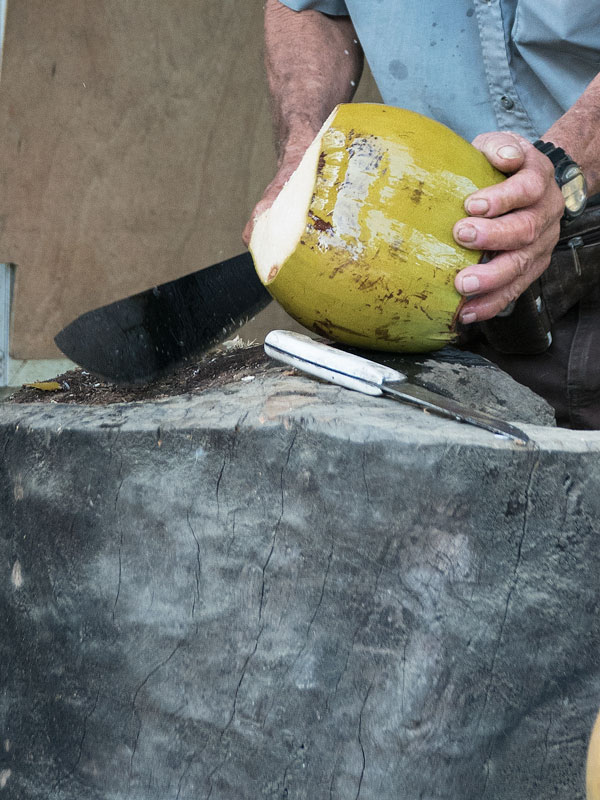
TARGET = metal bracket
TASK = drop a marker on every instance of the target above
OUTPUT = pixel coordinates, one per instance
(6, 271)
(6, 290)
(2, 27)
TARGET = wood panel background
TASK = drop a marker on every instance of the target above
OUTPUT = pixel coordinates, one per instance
(136, 138)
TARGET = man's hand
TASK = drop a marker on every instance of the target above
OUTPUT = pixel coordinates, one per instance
(518, 219)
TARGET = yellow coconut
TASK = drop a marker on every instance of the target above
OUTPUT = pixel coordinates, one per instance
(593, 764)
(358, 244)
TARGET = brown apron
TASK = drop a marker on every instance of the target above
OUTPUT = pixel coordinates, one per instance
(565, 367)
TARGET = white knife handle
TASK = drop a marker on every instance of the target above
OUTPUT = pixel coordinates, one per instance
(328, 363)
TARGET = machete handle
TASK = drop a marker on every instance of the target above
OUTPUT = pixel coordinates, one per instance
(328, 363)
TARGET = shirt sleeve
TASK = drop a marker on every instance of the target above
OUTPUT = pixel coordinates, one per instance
(334, 7)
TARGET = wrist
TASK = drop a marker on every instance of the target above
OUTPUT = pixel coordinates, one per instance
(299, 134)
(569, 177)
(576, 133)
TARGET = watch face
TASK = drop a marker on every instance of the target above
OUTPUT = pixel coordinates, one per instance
(574, 189)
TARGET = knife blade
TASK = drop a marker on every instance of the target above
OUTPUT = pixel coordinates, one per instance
(360, 374)
(140, 337)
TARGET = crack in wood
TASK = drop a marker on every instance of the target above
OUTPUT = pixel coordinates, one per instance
(360, 742)
(198, 566)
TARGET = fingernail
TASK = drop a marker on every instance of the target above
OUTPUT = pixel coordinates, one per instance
(478, 206)
(468, 317)
(467, 233)
(508, 151)
(470, 284)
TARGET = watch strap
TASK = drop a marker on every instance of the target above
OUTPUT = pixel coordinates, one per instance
(556, 154)
(561, 161)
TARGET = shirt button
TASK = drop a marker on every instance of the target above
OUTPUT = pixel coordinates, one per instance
(507, 102)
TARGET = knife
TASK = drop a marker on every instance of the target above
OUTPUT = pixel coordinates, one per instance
(368, 377)
(147, 334)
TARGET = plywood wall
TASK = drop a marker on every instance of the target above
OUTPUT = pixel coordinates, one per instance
(136, 138)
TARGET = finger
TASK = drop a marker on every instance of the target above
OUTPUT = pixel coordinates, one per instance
(512, 266)
(510, 232)
(525, 188)
(528, 185)
(489, 305)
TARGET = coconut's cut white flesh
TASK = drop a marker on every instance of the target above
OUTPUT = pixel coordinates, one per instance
(279, 229)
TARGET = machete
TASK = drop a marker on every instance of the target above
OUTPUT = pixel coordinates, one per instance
(136, 339)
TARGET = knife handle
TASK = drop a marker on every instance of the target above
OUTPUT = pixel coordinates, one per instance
(328, 363)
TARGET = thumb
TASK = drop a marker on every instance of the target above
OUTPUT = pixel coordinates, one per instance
(505, 151)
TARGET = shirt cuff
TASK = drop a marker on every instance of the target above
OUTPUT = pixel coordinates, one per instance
(333, 7)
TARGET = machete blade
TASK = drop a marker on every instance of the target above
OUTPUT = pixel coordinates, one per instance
(136, 339)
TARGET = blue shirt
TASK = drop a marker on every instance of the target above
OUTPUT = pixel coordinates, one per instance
(477, 65)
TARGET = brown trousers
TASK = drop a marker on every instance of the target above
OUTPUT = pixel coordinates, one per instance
(567, 373)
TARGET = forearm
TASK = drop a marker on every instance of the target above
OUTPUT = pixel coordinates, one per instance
(313, 62)
(578, 133)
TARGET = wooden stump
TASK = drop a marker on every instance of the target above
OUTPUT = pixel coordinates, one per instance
(281, 589)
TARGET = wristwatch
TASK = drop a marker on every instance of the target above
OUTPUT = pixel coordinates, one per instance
(569, 177)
